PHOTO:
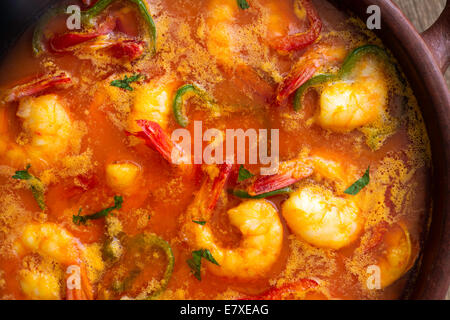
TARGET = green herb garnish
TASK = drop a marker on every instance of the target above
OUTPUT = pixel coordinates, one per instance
(245, 195)
(360, 184)
(244, 174)
(125, 83)
(36, 186)
(79, 219)
(202, 223)
(243, 4)
(195, 263)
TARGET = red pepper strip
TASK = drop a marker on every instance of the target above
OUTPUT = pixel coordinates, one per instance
(301, 40)
(130, 49)
(37, 85)
(285, 291)
(218, 184)
(289, 173)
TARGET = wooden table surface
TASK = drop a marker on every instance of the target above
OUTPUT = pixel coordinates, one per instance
(423, 13)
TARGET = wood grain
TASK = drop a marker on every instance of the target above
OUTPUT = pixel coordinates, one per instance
(423, 13)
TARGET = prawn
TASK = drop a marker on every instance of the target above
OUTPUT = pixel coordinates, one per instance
(319, 58)
(257, 221)
(51, 241)
(47, 132)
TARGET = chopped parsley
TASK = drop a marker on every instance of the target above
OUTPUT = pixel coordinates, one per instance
(244, 174)
(79, 219)
(36, 186)
(359, 184)
(125, 83)
(243, 4)
(195, 263)
(202, 223)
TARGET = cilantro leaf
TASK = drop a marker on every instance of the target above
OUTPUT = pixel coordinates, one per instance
(23, 174)
(244, 174)
(79, 219)
(202, 223)
(359, 184)
(125, 83)
(243, 4)
(245, 195)
(195, 263)
(36, 186)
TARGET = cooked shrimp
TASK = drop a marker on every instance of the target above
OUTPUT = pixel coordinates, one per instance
(259, 224)
(394, 249)
(222, 44)
(289, 172)
(333, 169)
(150, 116)
(122, 176)
(319, 58)
(219, 21)
(47, 132)
(36, 85)
(278, 25)
(153, 102)
(322, 219)
(51, 241)
(347, 105)
(320, 165)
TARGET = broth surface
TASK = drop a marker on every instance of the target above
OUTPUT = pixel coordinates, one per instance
(228, 52)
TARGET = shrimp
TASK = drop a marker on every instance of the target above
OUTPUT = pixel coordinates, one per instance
(33, 86)
(149, 119)
(287, 43)
(152, 101)
(289, 172)
(321, 218)
(222, 43)
(346, 105)
(47, 132)
(221, 15)
(257, 221)
(224, 13)
(394, 249)
(122, 177)
(319, 58)
(51, 241)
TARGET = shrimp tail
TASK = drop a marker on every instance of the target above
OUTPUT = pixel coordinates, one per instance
(37, 85)
(302, 40)
(83, 293)
(218, 184)
(156, 138)
(297, 78)
(290, 173)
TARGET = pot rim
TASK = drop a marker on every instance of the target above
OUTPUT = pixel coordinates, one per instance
(437, 277)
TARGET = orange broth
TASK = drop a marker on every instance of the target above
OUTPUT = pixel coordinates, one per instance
(396, 195)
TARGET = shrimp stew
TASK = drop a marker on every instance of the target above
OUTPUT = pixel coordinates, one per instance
(120, 177)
